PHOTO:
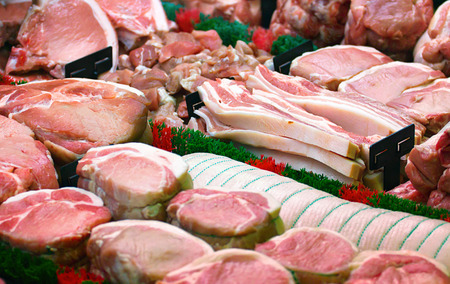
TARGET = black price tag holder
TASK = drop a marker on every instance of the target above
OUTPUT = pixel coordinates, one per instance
(267, 9)
(193, 102)
(387, 153)
(91, 65)
(282, 62)
(69, 175)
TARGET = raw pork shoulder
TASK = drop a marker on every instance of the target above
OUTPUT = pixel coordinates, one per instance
(12, 14)
(433, 48)
(24, 162)
(56, 221)
(231, 266)
(138, 251)
(392, 27)
(225, 217)
(70, 116)
(320, 20)
(315, 255)
(134, 180)
(56, 32)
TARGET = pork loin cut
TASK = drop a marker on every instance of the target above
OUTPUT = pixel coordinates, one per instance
(315, 255)
(396, 267)
(231, 266)
(135, 19)
(12, 13)
(52, 221)
(25, 163)
(44, 40)
(329, 66)
(71, 116)
(134, 180)
(386, 82)
(226, 217)
(141, 251)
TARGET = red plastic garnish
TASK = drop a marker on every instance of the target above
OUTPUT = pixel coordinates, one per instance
(361, 194)
(268, 164)
(263, 39)
(8, 80)
(68, 275)
(162, 136)
(186, 19)
(446, 218)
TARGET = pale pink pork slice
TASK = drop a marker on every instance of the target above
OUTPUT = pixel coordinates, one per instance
(52, 223)
(314, 255)
(227, 218)
(56, 32)
(141, 251)
(135, 180)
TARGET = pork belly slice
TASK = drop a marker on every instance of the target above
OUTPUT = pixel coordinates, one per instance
(314, 255)
(234, 105)
(12, 14)
(135, 19)
(134, 180)
(331, 65)
(374, 118)
(25, 163)
(226, 217)
(53, 223)
(231, 266)
(387, 82)
(396, 267)
(428, 104)
(141, 251)
(216, 129)
(44, 40)
(70, 116)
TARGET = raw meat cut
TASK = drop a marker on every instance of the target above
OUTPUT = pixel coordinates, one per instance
(329, 66)
(219, 130)
(407, 191)
(367, 227)
(12, 14)
(134, 180)
(43, 40)
(234, 105)
(321, 21)
(386, 82)
(52, 223)
(439, 199)
(135, 18)
(25, 163)
(432, 49)
(315, 255)
(396, 267)
(231, 266)
(226, 217)
(428, 104)
(392, 27)
(141, 251)
(70, 116)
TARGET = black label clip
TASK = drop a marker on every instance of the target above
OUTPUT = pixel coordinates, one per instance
(69, 175)
(91, 65)
(193, 102)
(282, 62)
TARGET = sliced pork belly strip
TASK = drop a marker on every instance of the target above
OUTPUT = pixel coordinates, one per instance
(314, 255)
(233, 105)
(341, 164)
(44, 41)
(301, 205)
(138, 251)
(374, 118)
(60, 220)
(331, 65)
(231, 266)
(386, 82)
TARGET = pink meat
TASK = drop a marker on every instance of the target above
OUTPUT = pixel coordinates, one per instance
(43, 40)
(407, 191)
(12, 14)
(439, 199)
(25, 164)
(443, 147)
(179, 49)
(209, 39)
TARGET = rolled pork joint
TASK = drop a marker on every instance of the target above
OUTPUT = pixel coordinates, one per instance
(135, 180)
(141, 251)
(314, 255)
(70, 116)
(52, 223)
(227, 218)
(25, 164)
(231, 266)
(396, 267)
(56, 32)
